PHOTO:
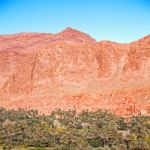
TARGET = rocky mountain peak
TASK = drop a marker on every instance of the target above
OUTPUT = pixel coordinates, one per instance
(74, 35)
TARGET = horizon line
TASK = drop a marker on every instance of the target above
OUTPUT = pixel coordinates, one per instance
(53, 33)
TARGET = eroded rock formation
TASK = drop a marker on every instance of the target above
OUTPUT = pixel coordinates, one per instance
(70, 70)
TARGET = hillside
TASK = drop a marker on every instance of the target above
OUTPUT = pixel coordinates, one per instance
(71, 70)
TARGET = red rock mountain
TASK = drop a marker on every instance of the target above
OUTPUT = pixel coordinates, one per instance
(70, 70)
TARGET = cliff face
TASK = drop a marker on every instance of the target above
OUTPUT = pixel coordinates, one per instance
(70, 70)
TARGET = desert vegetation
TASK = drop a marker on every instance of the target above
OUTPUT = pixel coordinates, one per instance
(68, 130)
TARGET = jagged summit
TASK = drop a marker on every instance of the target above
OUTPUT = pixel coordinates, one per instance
(74, 35)
(69, 29)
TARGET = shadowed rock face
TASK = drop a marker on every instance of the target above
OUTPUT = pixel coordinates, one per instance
(70, 70)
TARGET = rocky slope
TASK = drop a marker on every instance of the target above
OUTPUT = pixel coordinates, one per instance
(70, 70)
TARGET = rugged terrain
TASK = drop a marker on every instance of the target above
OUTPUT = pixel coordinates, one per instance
(70, 70)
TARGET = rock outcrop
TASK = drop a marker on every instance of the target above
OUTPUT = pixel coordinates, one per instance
(70, 70)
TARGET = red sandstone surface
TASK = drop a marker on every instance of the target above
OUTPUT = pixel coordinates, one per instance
(70, 70)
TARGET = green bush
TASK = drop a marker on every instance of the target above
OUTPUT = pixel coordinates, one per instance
(71, 131)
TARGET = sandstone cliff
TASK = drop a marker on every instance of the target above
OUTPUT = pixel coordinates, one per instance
(70, 70)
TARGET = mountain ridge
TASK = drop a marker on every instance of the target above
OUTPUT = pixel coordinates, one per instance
(72, 31)
(70, 69)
